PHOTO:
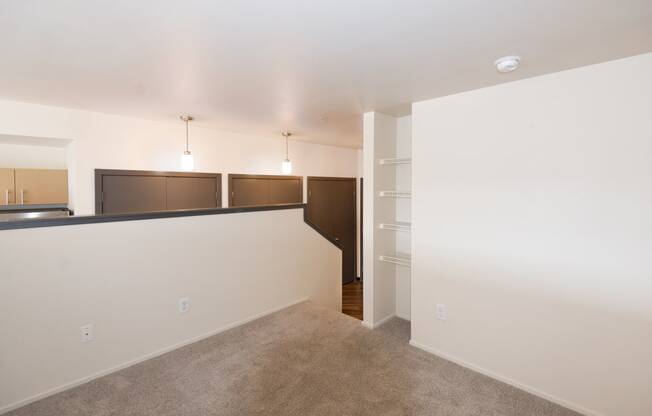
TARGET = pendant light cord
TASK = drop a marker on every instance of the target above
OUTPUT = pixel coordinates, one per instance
(287, 135)
(187, 135)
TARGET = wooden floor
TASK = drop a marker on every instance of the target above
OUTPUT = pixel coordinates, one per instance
(352, 299)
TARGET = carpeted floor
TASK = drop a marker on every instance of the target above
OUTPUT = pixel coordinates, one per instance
(304, 360)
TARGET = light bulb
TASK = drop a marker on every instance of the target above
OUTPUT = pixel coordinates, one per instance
(286, 167)
(187, 161)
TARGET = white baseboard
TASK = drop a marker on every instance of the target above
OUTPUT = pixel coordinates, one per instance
(371, 325)
(405, 318)
(367, 324)
(86, 379)
(384, 320)
(507, 380)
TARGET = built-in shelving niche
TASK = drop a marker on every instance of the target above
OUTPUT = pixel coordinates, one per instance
(388, 141)
(396, 226)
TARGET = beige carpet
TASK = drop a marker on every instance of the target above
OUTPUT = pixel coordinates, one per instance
(304, 360)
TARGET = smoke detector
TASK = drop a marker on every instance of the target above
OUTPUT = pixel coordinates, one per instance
(507, 64)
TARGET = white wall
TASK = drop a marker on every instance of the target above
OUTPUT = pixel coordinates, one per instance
(114, 142)
(403, 214)
(126, 279)
(532, 223)
(31, 156)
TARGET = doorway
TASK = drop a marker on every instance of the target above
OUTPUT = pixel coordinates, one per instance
(332, 208)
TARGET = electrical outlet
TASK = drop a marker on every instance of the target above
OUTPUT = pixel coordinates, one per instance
(86, 333)
(441, 312)
(184, 305)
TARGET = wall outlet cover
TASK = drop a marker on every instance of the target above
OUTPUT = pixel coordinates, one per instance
(184, 305)
(441, 312)
(86, 332)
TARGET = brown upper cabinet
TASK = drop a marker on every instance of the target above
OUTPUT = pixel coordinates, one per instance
(41, 186)
(193, 192)
(7, 187)
(33, 186)
(253, 190)
(131, 193)
(122, 191)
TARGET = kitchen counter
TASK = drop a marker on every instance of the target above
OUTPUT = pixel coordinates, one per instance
(28, 207)
(23, 212)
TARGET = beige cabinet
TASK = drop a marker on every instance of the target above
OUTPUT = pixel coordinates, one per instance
(33, 186)
(7, 193)
(41, 186)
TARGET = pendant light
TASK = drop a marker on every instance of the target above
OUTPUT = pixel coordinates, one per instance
(286, 166)
(187, 161)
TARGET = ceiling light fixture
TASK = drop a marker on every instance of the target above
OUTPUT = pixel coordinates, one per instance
(286, 166)
(187, 161)
(507, 64)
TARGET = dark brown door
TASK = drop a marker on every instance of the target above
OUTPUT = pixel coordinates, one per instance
(331, 207)
(133, 193)
(320, 204)
(191, 193)
(252, 190)
(361, 251)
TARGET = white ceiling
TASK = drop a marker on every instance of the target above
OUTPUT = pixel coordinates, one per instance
(309, 66)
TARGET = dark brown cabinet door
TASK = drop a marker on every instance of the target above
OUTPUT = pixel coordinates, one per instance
(331, 207)
(191, 193)
(252, 190)
(249, 191)
(285, 191)
(133, 193)
(123, 191)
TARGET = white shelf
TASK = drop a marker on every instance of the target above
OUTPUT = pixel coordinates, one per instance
(397, 226)
(395, 194)
(396, 259)
(396, 161)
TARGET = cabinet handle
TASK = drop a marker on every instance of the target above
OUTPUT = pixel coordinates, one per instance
(7, 196)
(22, 196)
